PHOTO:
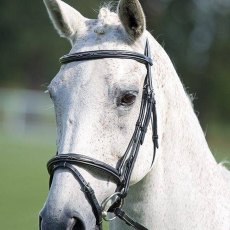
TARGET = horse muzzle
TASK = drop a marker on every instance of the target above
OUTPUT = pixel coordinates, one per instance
(63, 221)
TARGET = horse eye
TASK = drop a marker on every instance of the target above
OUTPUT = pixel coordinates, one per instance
(127, 99)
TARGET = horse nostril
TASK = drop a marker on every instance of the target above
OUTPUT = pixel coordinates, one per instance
(51, 222)
(78, 224)
(40, 222)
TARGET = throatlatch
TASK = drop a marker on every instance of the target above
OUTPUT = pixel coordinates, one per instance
(123, 172)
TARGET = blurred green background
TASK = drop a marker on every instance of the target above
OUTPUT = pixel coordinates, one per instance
(196, 35)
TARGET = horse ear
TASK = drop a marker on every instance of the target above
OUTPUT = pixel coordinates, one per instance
(132, 17)
(65, 19)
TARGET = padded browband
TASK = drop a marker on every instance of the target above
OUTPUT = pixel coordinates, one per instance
(100, 54)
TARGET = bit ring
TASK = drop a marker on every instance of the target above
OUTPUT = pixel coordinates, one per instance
(105, 202)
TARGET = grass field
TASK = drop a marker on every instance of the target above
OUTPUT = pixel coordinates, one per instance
(24, 179)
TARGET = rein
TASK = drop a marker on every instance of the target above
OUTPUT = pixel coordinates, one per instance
(122, 173)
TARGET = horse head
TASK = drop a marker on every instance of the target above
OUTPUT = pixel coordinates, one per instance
(97, 104)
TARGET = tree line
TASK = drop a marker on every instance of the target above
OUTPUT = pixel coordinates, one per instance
(195, 34)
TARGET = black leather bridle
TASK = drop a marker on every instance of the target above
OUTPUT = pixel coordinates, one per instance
(122, 173)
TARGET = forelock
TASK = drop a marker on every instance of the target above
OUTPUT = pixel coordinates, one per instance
(108, 16)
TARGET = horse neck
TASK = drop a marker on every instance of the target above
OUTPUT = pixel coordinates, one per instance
(185, 177)
(182, 141)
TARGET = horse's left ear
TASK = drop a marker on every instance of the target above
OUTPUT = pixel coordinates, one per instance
(132, 17)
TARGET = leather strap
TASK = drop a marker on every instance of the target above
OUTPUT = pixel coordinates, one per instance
(147, 113)
(78, 159)
(128, 220)
(101, 54)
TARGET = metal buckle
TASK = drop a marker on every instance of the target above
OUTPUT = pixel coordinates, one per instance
(105, 202)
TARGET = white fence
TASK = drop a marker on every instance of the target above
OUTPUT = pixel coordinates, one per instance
(26, 112)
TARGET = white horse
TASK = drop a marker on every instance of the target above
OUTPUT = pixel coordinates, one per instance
(97, 104)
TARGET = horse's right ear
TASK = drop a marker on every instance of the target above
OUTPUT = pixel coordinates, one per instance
(65, 19)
